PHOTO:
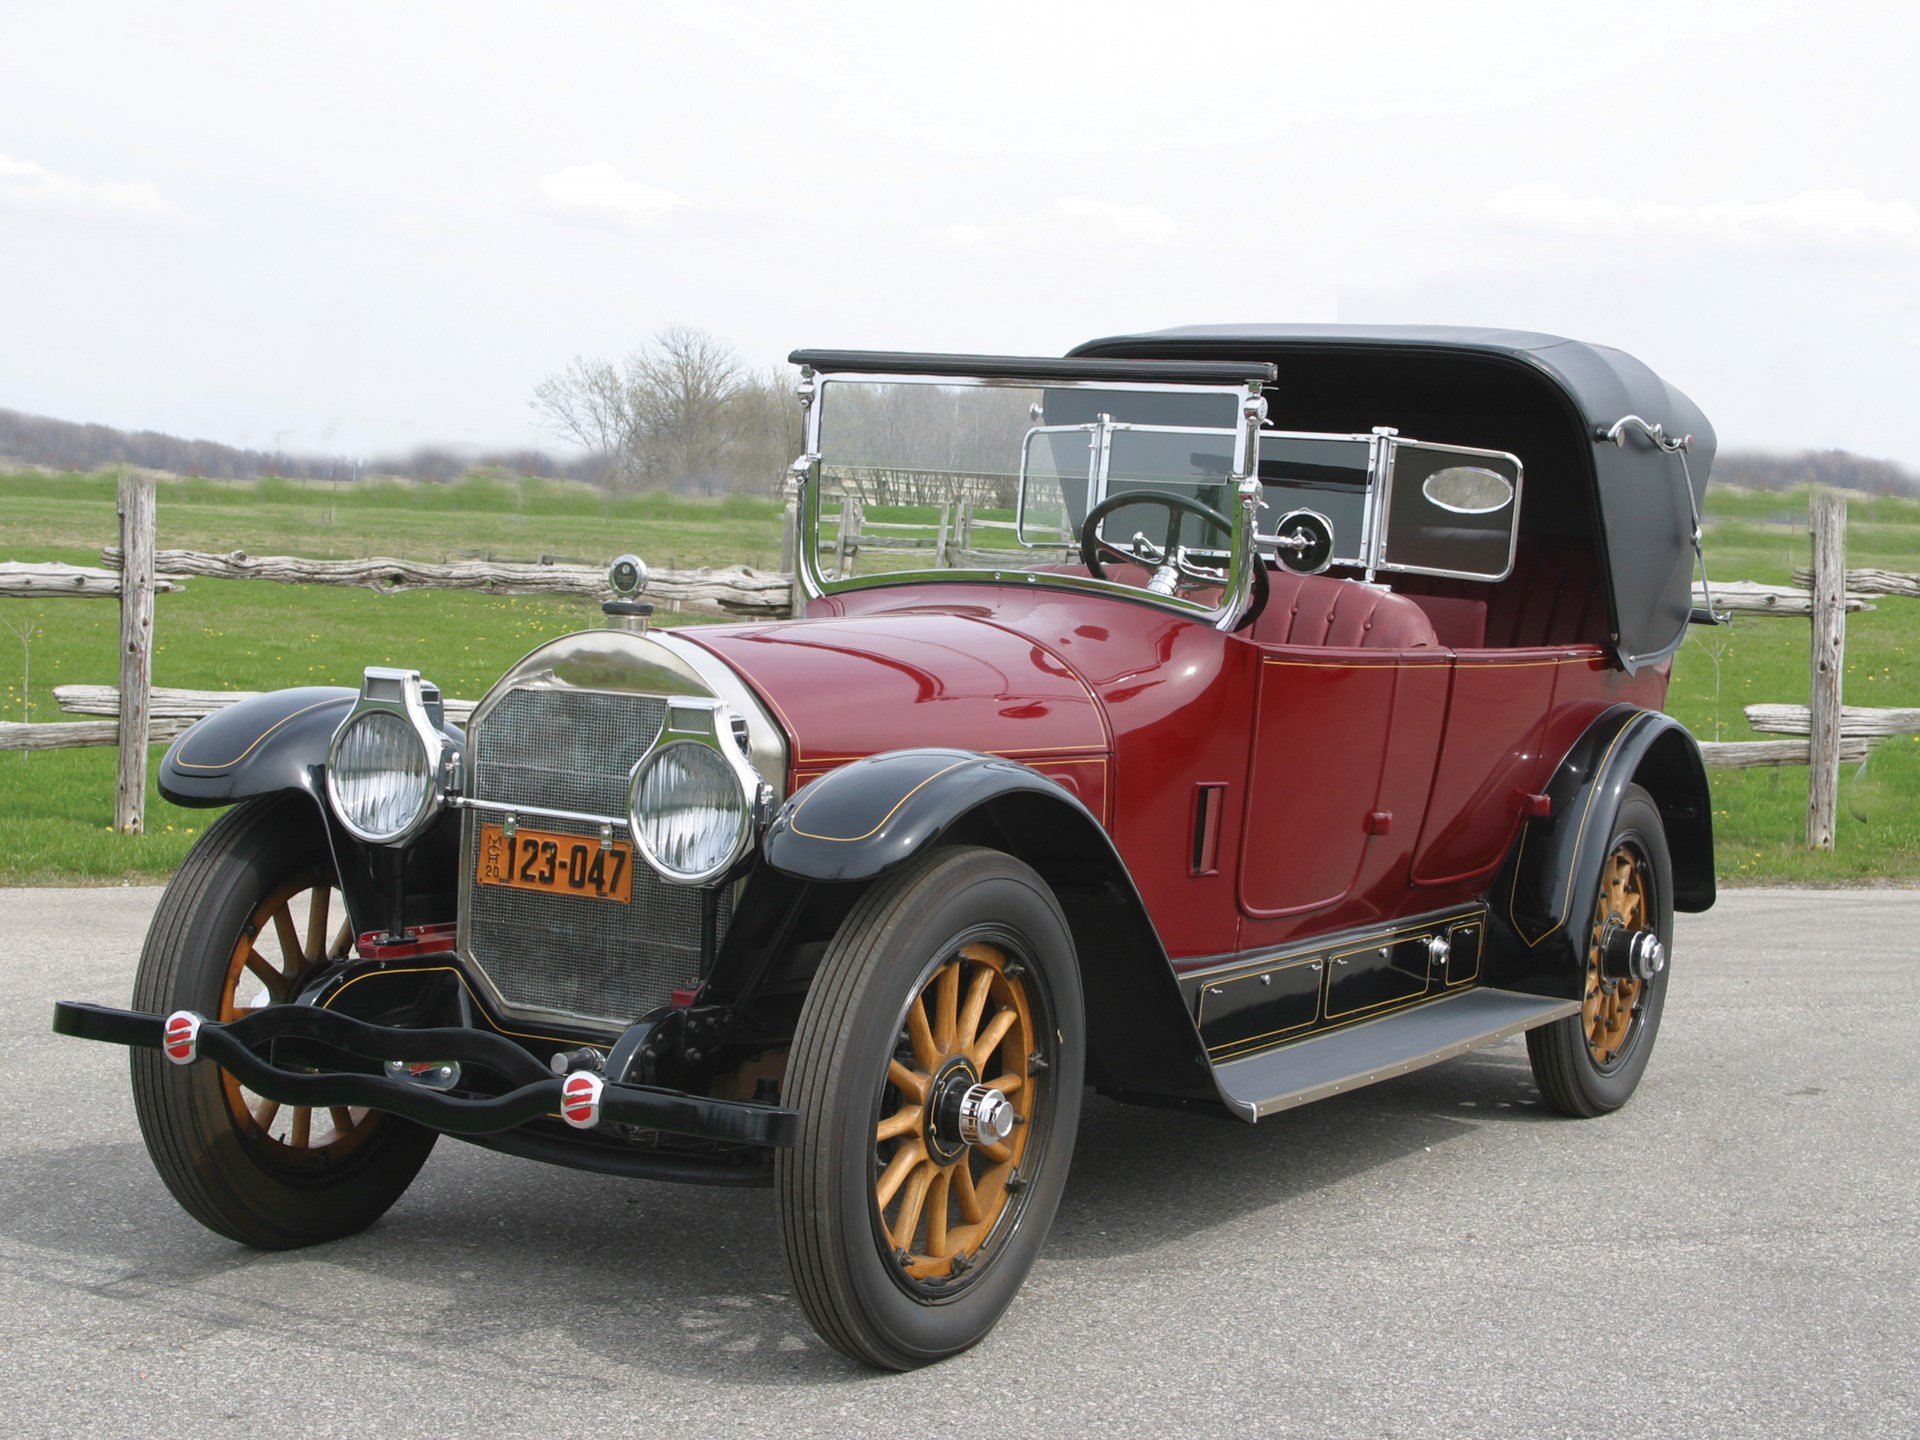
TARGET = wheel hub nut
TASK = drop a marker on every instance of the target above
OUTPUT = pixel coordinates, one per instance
(1631, 954)
(986, 1118)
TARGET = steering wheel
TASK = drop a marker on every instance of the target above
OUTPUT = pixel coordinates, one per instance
(1169, 560)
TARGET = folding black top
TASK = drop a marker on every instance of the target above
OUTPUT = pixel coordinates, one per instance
(1550, 400)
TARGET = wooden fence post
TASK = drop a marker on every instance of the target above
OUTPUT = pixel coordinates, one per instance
(136, 501)
(1827, 518)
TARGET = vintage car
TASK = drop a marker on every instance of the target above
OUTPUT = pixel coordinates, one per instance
(1296, 725)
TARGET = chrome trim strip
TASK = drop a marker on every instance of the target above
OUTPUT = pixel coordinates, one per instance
(539, 812)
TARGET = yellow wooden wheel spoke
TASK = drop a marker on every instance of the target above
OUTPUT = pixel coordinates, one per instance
(302, 1135)
(964, 1194)
(982, 1049)
(262, 970)
(314, 948)
(342, 1119)
(938, 1195)
(909, 1083)
(946, 1006)
(925, 1053)
(976, 1006)
(293, 959)
(342, 939)
(264, 1116)
(1008, 1083)
(903, 1121)
(904, 1160)
(911, 1201)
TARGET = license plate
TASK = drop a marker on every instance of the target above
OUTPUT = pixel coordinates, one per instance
(555, 864)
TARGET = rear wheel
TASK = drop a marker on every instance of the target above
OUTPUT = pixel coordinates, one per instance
(1588, 1064)
(937, 1071)
(251, 911)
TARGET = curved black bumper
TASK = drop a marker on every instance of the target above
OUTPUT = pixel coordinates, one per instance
(528, 1090)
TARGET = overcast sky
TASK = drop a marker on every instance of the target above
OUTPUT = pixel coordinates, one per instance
(354, 228)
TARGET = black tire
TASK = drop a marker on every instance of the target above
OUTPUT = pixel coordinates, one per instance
(874, 1267)
(228, 933)
(1588, 1064)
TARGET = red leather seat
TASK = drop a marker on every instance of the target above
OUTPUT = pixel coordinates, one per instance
(1553, 597)
(1323, 610)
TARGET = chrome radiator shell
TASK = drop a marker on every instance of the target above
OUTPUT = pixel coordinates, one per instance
(563, 730)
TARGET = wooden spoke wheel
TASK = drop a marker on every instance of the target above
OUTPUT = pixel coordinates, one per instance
(300, 924)
(942, 1188)
(252, 910)
(936, 1069)
(1590, 1063)
(1610, 1007)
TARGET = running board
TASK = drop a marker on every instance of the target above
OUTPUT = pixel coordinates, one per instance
(1324, 1065)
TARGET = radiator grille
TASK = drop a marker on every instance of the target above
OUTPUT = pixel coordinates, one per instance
(581, 958)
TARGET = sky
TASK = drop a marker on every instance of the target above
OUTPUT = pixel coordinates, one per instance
(357, 228)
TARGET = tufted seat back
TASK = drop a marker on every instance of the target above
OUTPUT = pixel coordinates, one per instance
(1323, 610)
(1553, 597)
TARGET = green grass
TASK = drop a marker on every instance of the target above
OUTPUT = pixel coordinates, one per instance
(478, 516)
(57, 806)
(1760, 815)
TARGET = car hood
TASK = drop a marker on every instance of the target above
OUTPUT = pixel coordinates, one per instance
(852, 686)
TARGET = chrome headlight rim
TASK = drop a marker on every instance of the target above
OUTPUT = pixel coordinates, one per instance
(710, 727)
(400, 694)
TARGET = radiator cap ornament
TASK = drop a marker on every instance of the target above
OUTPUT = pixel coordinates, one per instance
(627, 577)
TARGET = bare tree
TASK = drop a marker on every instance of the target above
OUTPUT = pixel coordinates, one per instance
(681, 388)
(769, 430)
(680, 412)
(591, 404)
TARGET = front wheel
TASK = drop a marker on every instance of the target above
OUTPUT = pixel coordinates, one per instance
(937, 1071)
(250, 912)
(1588, 1064)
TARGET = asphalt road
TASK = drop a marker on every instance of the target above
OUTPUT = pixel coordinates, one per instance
(1734, 1254)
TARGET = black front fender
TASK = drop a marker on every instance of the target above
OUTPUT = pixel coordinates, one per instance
(275, 743)
(863, 819)
(256, 746)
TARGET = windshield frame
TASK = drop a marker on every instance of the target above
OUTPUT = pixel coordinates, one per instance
(1245, 403)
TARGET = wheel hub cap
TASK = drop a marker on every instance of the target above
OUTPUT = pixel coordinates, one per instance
(985, 1116)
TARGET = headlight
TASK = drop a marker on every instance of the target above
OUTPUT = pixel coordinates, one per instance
(383, 768)
(692, 798)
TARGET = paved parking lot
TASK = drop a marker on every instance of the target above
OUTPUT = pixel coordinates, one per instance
(1736, 1253)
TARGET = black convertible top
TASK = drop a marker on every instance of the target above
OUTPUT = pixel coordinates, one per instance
(1550, 400)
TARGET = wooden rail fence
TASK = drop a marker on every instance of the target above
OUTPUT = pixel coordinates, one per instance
(1834, 734)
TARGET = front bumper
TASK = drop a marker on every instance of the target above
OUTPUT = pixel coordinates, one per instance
(503, 1085)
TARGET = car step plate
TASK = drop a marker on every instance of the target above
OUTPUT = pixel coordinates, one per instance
(1358, 1055)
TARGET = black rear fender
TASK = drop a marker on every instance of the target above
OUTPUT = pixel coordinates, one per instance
(1539, 902)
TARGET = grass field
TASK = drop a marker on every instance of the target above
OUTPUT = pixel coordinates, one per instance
(255, 635)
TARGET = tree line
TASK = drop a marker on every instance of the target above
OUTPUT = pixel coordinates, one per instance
(684, 412)
(67, 445)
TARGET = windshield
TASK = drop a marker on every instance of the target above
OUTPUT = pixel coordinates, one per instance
(962, 479)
